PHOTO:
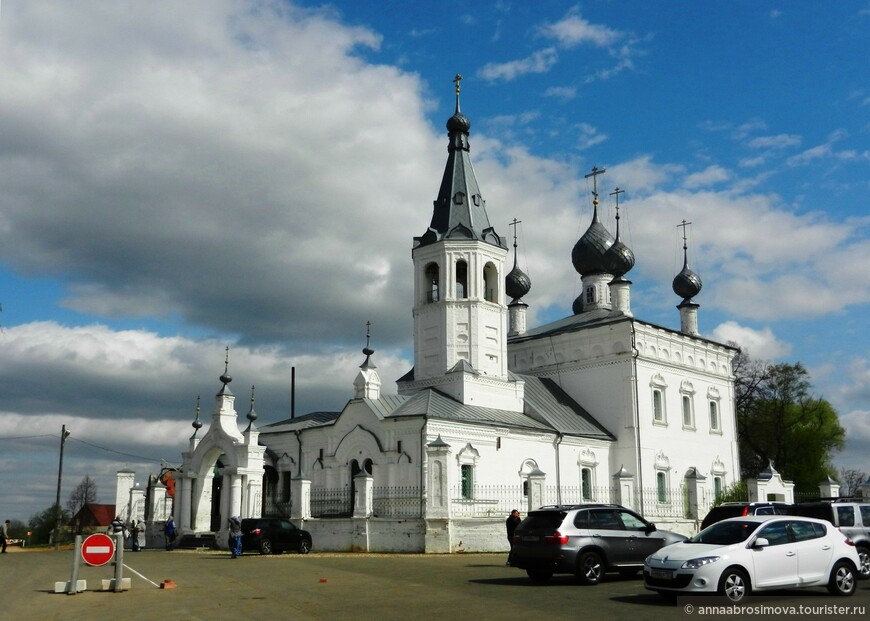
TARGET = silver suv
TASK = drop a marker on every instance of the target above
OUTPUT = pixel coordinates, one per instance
(585, 540)
(850, 516)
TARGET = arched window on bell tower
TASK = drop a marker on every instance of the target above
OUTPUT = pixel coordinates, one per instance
(461, 279)
(433, 282)
(490, 283)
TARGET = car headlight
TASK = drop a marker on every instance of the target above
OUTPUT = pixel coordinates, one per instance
(695, 563)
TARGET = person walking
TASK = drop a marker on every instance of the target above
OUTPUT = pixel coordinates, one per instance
(235, 537)
(4, 535)
(511, 524)
(169, 532)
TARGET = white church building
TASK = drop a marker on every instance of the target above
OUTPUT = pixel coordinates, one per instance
(599, 406)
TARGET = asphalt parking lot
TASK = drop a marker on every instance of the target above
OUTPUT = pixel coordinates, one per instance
(211, 586)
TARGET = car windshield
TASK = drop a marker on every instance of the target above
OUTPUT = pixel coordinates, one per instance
(725, 533)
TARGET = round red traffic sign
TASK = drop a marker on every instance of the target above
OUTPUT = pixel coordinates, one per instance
(98, 549)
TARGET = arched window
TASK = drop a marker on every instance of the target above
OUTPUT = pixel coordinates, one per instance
(433, 282)
(461, 280)
(490, 283)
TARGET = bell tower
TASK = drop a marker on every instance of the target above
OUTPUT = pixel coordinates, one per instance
(460, 313)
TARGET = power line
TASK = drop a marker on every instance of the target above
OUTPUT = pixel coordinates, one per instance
(108, 450)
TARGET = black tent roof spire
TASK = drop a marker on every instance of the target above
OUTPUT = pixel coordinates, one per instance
(460, 210)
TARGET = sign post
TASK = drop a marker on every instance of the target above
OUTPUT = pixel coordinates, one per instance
(98, 549)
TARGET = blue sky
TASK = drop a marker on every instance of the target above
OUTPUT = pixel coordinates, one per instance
(176, 178)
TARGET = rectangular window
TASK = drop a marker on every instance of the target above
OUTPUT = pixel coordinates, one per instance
(658, 406)
(688, 420)
(586, 483)
(714, 416)
(717, 487)
(467, 474)
(661, 487)
(846, 516)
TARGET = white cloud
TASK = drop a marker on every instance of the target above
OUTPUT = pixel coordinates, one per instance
(779, 141)
(573, 30)
(759, 344)
(709, 176)
(539, 62)
(589, 136)
(561, 92)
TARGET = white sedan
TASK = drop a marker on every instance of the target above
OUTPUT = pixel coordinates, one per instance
(755, 553)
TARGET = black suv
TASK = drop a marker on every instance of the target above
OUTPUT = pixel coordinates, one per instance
(850, 515)
(274, 535)
(585, 540)
(742, 509)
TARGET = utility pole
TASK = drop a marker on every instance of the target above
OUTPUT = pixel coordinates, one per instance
(64, 434)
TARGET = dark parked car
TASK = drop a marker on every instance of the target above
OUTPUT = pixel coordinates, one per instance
(742, 509)
(850, 515)
(585, 540)
(274, 535)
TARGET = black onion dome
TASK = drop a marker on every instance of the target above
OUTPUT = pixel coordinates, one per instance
(517, 283)
(588, 253)
(577, 306)
(458, 123)
(687, 284)
(619, 259)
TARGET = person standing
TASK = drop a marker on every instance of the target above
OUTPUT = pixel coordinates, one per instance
(5, 536)
(235, 537)
(511, 524)
(134, 535)
(169, 532)
(117, 526)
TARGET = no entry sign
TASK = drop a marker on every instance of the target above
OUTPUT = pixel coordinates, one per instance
(98, 550)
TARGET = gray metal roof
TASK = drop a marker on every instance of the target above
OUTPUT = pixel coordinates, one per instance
(572, 323)
(546, 400)
(592, 319)
(547, 408)
(306, 421)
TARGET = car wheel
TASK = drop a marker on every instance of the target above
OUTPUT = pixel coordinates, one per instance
(843, 580)
(265, 547)
(864, 569)
(540, 575)
(734, 585)
(590, 568)
(304, 546)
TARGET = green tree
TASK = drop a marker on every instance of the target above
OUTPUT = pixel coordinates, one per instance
(779, 421)
(42, 524)
(736, 492)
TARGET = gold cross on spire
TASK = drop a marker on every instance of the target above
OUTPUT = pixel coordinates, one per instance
(456, 80)
(594, 174)
(684, 224)
(514, 224)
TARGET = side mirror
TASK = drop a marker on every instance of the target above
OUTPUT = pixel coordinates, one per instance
(650, 527)
(761, 542)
